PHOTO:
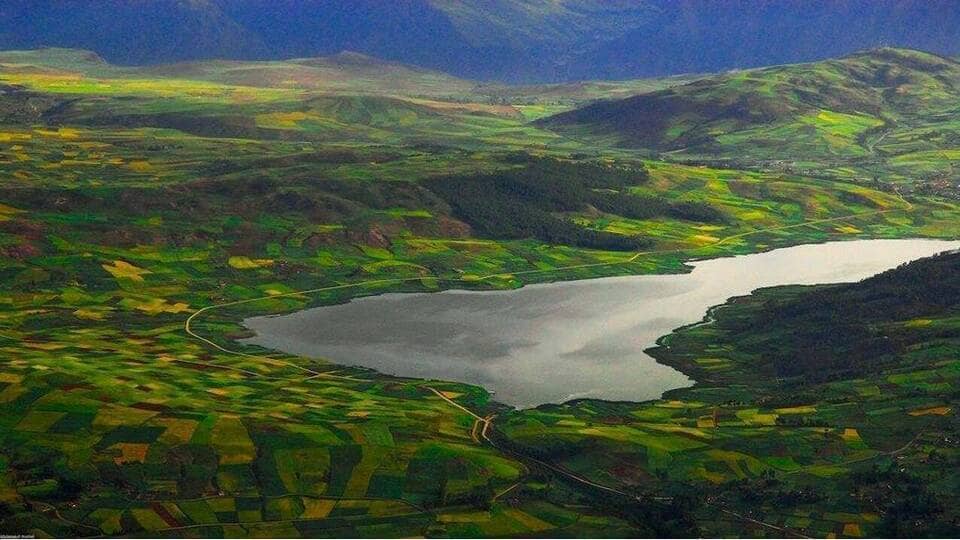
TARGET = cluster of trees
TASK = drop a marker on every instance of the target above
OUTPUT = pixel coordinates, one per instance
(529, 202)
(640, 207)
(840, 331)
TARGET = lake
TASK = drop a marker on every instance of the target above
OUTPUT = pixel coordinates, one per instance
(550, 343)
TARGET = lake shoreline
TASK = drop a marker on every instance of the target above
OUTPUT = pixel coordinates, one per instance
(422, 361)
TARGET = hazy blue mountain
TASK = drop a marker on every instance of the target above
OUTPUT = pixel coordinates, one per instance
(708, 35)
(515, 40)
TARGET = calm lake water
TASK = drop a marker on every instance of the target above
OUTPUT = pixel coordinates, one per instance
(555, 342)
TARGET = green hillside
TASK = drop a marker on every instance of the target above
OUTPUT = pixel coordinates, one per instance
(885, 110)
(342, 73)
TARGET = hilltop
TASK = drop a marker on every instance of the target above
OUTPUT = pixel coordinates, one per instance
(55, 57)
(344, 71)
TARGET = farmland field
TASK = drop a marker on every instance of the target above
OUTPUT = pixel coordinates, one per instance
(134, 200)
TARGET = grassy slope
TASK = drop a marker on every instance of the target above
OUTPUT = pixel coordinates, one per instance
(129, 202)
(346, 73)
(887, 112)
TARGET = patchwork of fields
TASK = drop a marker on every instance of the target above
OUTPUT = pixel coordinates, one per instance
(131, 199)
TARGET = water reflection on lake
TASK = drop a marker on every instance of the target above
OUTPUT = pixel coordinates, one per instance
(554, 342)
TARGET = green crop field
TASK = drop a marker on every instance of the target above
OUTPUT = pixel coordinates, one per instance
(134, 200)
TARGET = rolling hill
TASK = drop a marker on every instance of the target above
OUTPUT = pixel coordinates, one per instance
(342, 72)
(347, 74)
(873, 107)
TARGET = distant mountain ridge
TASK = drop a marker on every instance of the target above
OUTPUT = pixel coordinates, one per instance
(508, 40)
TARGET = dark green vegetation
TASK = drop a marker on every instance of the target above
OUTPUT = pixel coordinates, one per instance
(849, 331)
(822, 410)
(131, 198)
(522, 203)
